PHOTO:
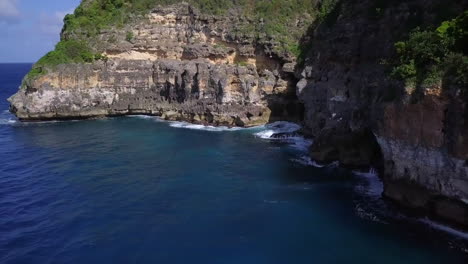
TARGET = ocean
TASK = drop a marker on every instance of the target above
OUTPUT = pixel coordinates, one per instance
(141, 190)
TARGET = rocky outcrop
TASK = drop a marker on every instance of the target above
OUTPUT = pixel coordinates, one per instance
(175, 63)
(426, 153)
(182, 65)
(355, 110)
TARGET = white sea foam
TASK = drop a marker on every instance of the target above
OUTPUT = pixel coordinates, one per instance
(186, 125)
(265, 134)
(333, 165)
(278, 128)
(142, 116)
(300, 143)
(373, 187)
(202, 127)
(367, 214)
(283, 127)
(444, 228)
(7, 121)
(287, 132)
(307, 161)
(6, 118)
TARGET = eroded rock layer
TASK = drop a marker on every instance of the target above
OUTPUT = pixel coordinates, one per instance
(182, 65)
(355, 110)
(178, 64)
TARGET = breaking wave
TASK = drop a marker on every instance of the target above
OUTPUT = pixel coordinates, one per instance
(278, 128)
(6, 118)
(288, 133)
(202, 127)
(445, 229)
(186, 125)
(372, 186)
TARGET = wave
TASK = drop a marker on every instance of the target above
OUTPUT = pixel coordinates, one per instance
(444, 228)
(307, 161)
(285, 132)
(142, 116)
(367, 214)
(373, 186)
(7, 121)
(202, 127)
(6, 118)
(187, 125)
(276, 128)
(288, 133)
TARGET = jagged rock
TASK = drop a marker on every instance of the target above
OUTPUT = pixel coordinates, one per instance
(180, 64)
(351, 106)
(351, 149)
(184, 65)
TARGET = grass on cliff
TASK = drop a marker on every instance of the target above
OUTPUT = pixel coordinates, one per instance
(272, 19)
(66, 51)
(428, 56)
(277, 16)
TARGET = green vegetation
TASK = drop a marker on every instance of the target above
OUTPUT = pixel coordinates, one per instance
(36, 72)
(429, 56)
(66, 51)
(242, 63)
(272, 19)
(326, 8)
(277, 16)
(129, 37)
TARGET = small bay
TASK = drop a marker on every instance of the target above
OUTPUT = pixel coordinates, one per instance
(140, 190)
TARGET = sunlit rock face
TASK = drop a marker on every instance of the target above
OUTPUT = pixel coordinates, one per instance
(178, 64)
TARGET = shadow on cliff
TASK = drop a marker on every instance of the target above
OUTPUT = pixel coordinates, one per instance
(286, 107)
(327, 18)
(345, 136)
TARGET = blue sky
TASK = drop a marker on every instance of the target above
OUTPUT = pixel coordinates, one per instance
(31, 28)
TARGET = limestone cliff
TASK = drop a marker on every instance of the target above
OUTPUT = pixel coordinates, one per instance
(356, 110)
(173, 62)
(179, 63)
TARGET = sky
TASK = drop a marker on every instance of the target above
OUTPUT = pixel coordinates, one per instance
(31, 28)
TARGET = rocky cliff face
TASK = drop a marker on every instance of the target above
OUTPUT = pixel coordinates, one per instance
(175, 63)
(356, 111)
(183, 65)
(425, 153)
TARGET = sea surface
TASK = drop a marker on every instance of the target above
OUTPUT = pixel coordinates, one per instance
(140, 190)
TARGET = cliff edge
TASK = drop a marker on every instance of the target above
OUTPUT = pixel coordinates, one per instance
(384, 83)
(376, 83)
(172, 61)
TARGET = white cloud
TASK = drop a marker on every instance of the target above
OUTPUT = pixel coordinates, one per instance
(51, 24)
(9, 12)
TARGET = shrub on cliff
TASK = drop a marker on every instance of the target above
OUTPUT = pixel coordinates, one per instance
(427, 56)
(273, 19)
(277, 16)
(67, 51)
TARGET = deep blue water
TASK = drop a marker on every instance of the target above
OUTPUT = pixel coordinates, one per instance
(137, 190)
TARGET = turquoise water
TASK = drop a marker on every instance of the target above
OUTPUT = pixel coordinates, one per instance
(138, 190)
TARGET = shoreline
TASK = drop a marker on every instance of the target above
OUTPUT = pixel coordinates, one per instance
(413, 214)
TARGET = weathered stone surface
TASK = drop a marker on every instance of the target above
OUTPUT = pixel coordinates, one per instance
(346, 91)
(180, 65)
(183, 65)
(423, 144)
